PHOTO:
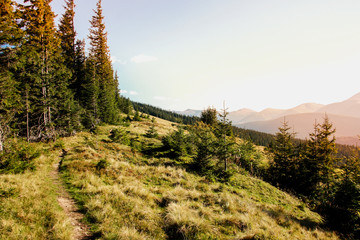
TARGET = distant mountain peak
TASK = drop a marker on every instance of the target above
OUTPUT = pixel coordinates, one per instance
(356, 97)
(244, 110)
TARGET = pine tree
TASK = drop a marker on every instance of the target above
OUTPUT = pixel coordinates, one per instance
(225, 136)
(43, 75)
(151, 132)
(117, 91)
(318, 163)
(209, 116)
(79, 72)
(90, 95)
(283, 167)
(67, 34)
(10, 39)
(100, 55)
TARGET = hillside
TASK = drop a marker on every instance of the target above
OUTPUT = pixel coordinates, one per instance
(125, 194)
(303, 124)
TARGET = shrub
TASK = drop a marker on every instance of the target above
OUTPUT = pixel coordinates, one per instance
(151, 132)
(251, 159)
(135, 144)
(178, 144)
(102, 164)
(119, 135)
(18, 157)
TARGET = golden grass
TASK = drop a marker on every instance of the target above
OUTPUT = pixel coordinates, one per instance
(30, 209)
(133, 200)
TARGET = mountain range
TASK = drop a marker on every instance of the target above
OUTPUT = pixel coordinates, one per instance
(344, 115)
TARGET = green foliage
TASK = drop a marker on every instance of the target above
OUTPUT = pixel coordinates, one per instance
(102, 164)
(103, 75)
(137, 116)
(251, 159)
(18, 157)
(206, 145)
(283, 169)
(59, 144)
(179, 145)
(151, 132)
(317, 164)
(124, 105)
(313, 171)
(163, 114)
(258, 138)
(120, 135)
(135, 144)
(343, 212)
(143, 197)
(199, 150)
(209, 116)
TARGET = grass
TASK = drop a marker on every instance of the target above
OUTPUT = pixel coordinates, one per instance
(137, 197)
(125, 194)
(28, 202)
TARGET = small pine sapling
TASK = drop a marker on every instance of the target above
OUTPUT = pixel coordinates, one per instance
(151, 132)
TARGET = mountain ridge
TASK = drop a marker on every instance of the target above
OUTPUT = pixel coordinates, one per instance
(345, 115)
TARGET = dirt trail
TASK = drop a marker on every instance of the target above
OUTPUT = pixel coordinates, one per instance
(81, 230)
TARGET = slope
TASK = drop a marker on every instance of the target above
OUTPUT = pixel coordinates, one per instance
(127, 195)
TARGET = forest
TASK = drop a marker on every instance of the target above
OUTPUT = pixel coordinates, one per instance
(50, 88)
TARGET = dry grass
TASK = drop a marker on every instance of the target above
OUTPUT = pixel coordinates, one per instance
(130, 199)
(28, 204)
(135, 197)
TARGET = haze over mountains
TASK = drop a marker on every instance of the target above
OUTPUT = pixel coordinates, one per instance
(344, 115)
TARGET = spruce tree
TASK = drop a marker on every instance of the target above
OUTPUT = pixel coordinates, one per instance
(283, 167)
(209, 116)
(90, 95)
(318, 163)
(10, 40)
(43, 75)
(79, 72)
(225, 135)
(67, 36)
(100, 56)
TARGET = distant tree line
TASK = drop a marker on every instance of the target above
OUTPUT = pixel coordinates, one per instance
(49, 86)
(164, 114)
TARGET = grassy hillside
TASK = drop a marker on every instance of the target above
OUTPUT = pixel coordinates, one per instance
(28, 201)
(127, 195)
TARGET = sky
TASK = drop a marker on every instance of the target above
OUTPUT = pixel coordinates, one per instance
(192, 54)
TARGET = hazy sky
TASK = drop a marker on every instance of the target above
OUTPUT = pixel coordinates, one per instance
(179, 54)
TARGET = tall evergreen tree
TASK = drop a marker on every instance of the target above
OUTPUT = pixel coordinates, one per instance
(283, 167)
(67, 36)
(79, 72)
(318, 163)
(90, 95)
(226, 142)
(44, 78)
(10, 40)
(100, 56)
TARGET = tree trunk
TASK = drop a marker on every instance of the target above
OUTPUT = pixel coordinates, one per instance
(1, 140)
(27, 117)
